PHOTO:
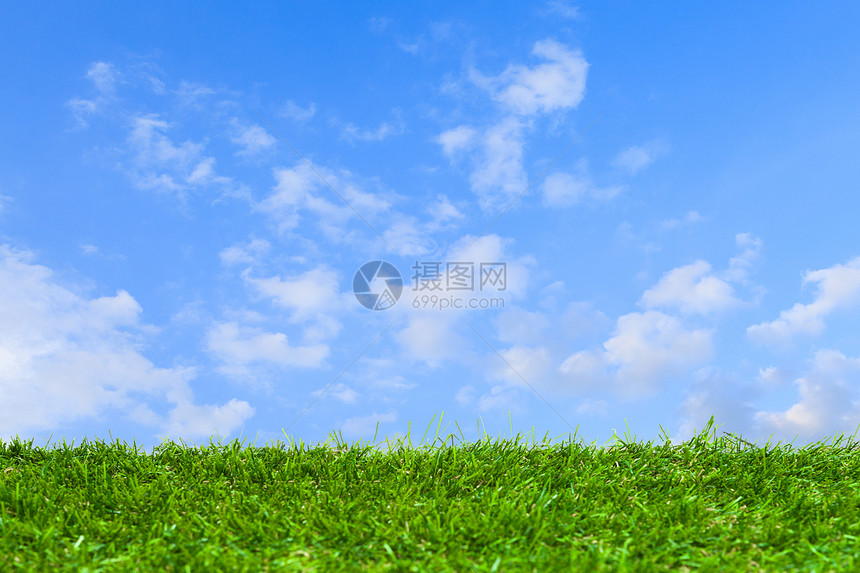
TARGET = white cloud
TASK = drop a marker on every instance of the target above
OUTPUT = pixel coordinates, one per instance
(651, 346)
(65, 358)
(297, 113)
(727, 399)
(154, 148)
(379, 23)
(494, 249)
(443, 212)
(385, 130)
(431, 338)
(239, 348)
(647, 350)
(294, 186)
(408, 237)
(499, 176)
(456, 140)
(203, 172)
(739, 265)
(190, 93)
(502, 399)
(837, 288)
(306, 295)
(390, 384)
(465, 396)
(81, 109)
(192, 420)
(563, 9)
(245, 254)
(522, 362)
(253, 139)
(412, 237)
(583, 319)
(637, 157)
(829, 401)
(593, 407)
(562, 189)
(341, 392)
(690, 218)
(772, 376)
(300, 189)
(363, 427)
(162, 165)
(696, 289)
(519, 326)
(693, 290)
(104, 77)
(557, 84)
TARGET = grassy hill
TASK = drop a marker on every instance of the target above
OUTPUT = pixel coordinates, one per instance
(712, 503)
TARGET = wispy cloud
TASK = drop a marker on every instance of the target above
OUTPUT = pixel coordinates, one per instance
(340, 392)
(828, 400)
(837, 288)
(239, 348)
(697, 289)
(305, 295)
(499, 176)
(350, 132)
(648, 350)
(104, 77)
(561, 189)
(252, 139)
(524, 93)
(292, 110)
(562, 9)
(247, 254)
(363, 427)
(160, 164)
(689, 218)
(692, 289)
(557, 84)
(379, 23)
(456, 140)
(65, 357)
(191, 94)
(637, 157)
(299, 190)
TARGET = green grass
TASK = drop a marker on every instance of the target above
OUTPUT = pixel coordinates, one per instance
(712, 503)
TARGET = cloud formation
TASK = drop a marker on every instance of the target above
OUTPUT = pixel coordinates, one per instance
(556, 84)
(637, 157)
(837, 288)
(692, 289)
(829, 401)
(66, 357)
(523, 94)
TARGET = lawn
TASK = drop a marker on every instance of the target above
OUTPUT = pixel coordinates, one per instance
(715, 502)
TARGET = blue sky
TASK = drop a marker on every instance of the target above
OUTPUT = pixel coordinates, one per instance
(187, 192)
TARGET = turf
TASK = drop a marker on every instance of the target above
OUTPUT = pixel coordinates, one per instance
(711, 503)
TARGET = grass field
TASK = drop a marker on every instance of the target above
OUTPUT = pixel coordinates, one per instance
(712, 503)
